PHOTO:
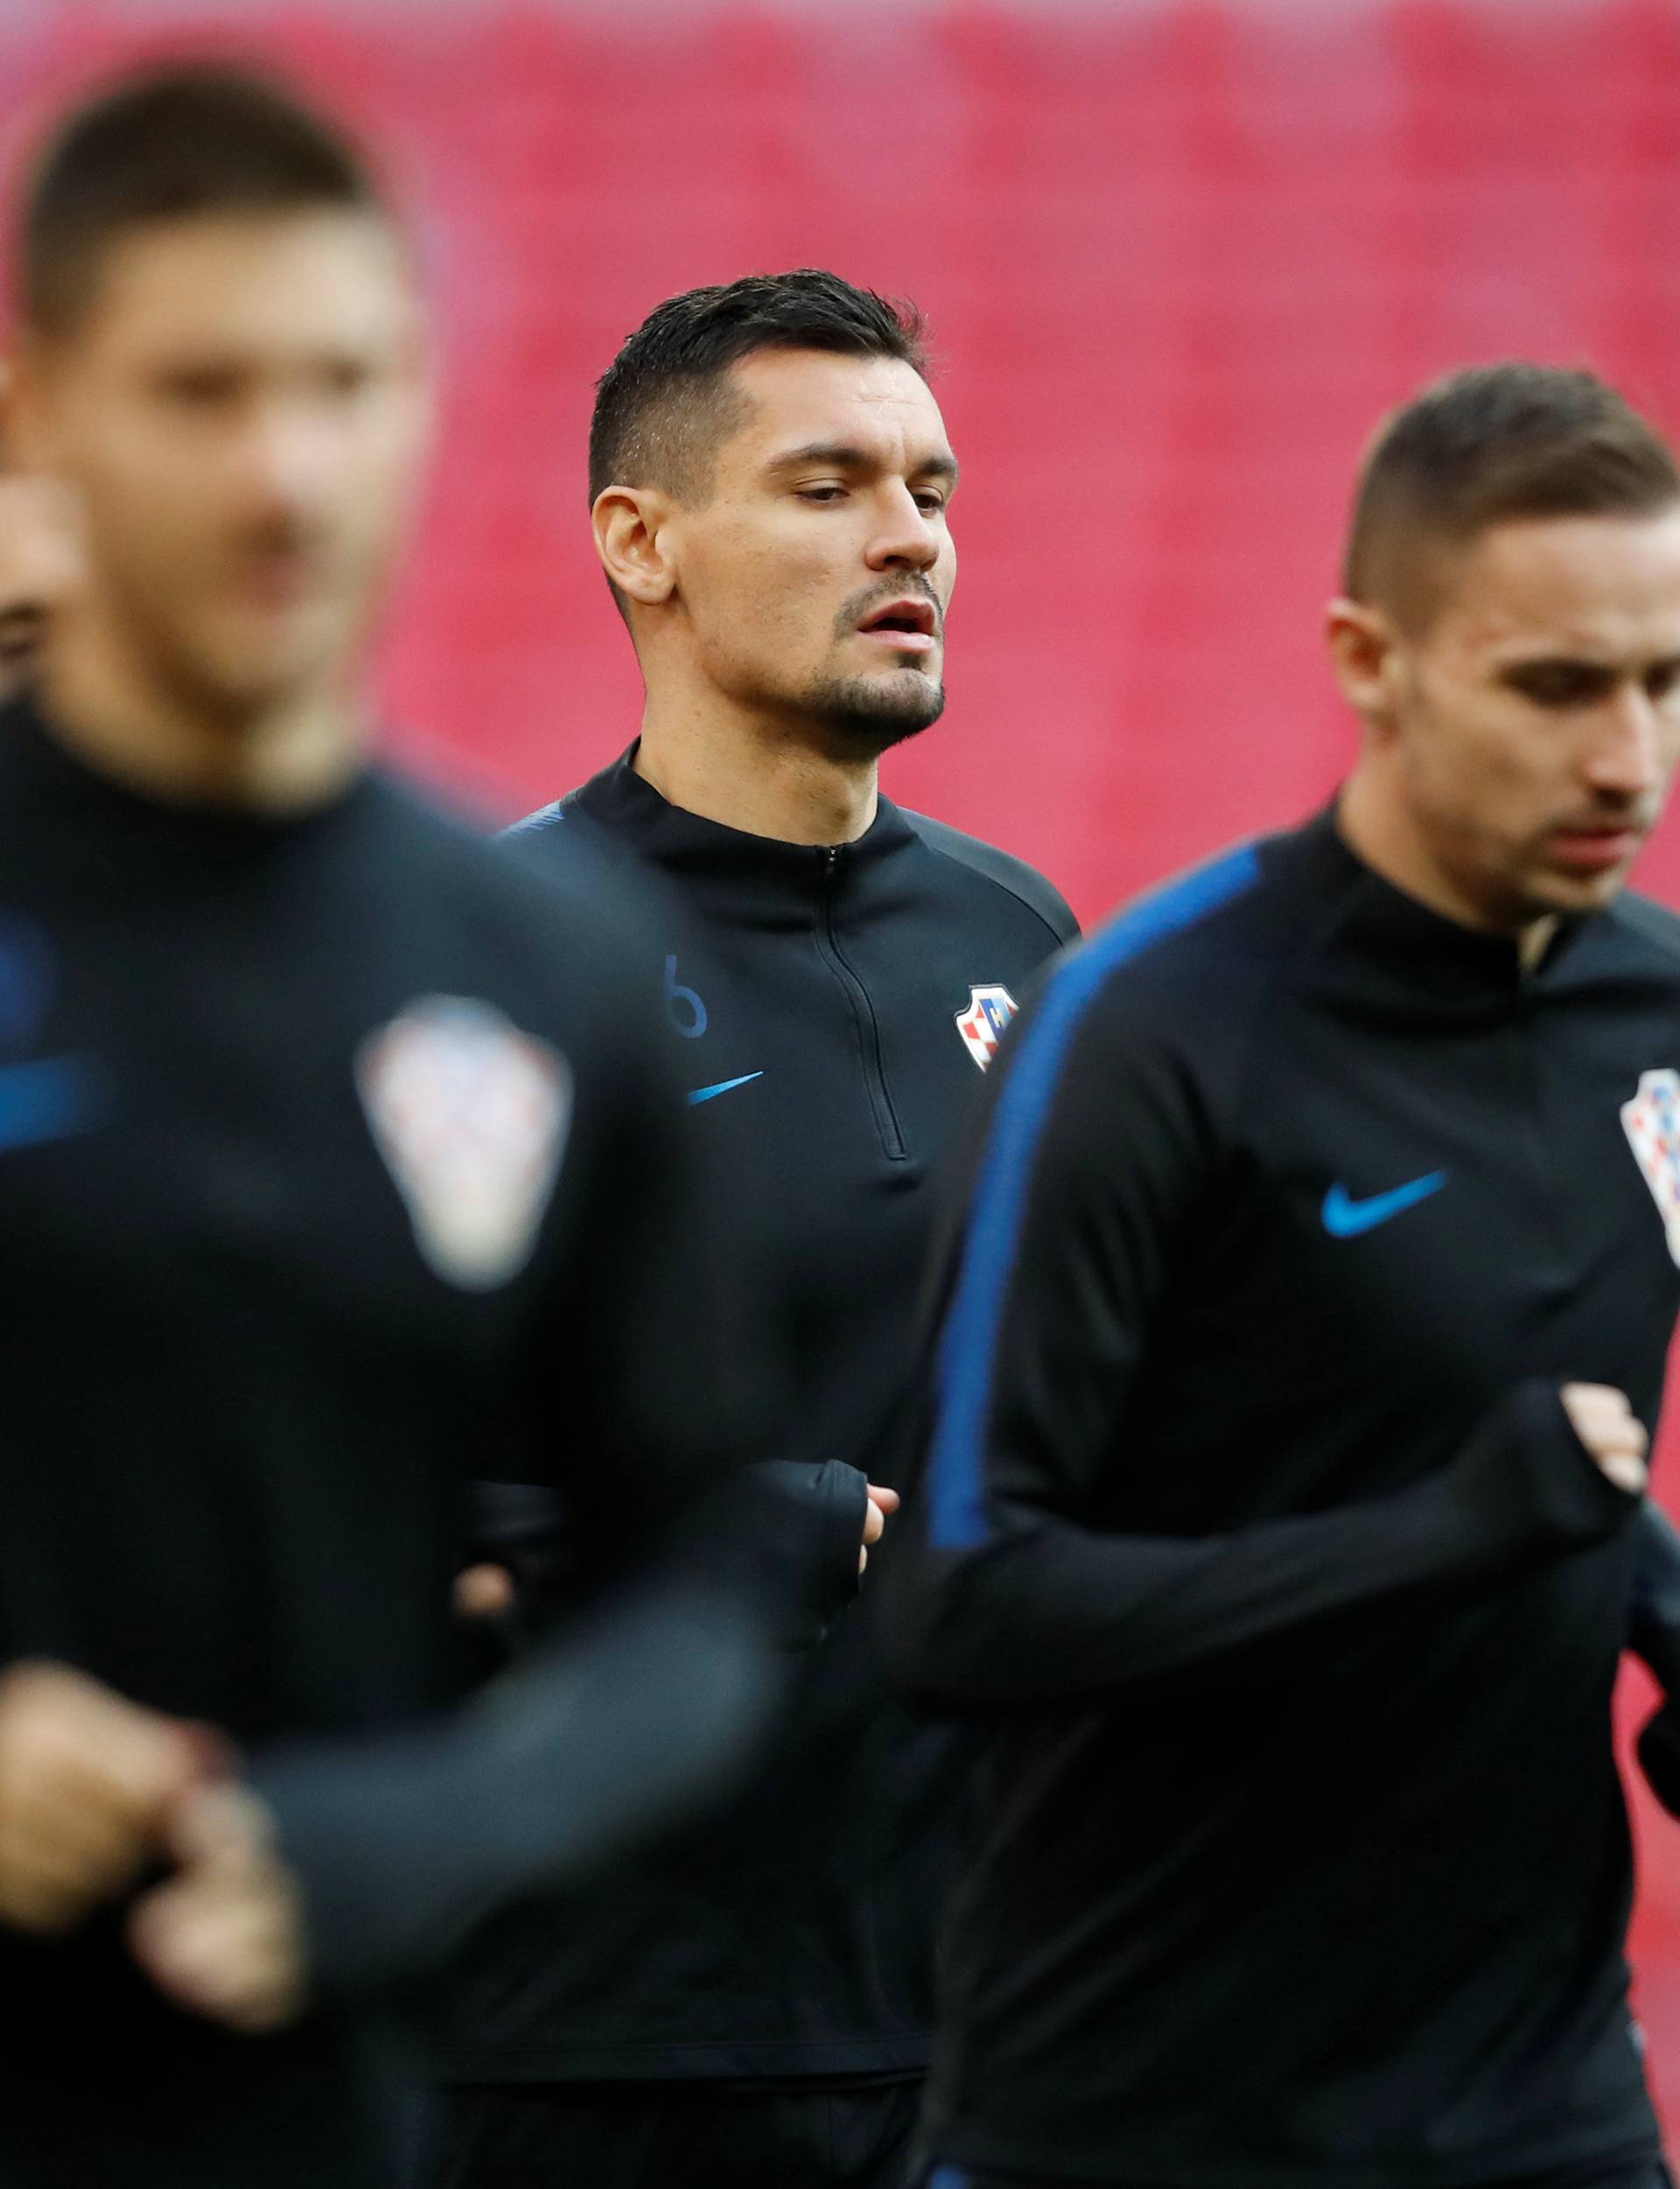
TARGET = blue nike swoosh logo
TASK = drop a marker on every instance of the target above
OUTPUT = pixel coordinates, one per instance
(45, 1100)
(704, 1094)
(1344, 1218)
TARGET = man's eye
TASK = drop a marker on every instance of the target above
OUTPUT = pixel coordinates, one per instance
(931, 502)
(202, 390)
(1664, 682)
(347, 377)
(1562, 686)
(821, 493)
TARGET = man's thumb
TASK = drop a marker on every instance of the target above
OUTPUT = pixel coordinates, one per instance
(218, 1828)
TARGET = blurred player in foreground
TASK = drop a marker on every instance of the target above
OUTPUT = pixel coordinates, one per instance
(330, 1151)
(771, 480)
(1286, 1451)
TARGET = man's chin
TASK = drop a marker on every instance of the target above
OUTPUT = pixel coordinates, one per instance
(254, 672)
(871, 714)
(1560, 891)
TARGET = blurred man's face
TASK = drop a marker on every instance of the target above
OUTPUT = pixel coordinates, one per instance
(815, 576)
(1536, 717)
(240, 416)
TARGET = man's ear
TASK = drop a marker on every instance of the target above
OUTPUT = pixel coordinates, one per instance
(632, 544)
(1364, 652)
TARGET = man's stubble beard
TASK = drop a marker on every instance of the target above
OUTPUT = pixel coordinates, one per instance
(867, 716)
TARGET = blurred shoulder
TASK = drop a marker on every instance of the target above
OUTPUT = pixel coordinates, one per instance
(1644, 921)
(510, 881)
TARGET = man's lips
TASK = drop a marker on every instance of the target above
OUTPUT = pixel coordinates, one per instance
(280, 584)
(908, 626)
(1596, 850)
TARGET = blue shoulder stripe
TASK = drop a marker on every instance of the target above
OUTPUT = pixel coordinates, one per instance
(956, 1464)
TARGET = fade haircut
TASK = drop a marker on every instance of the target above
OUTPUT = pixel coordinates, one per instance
(171, 143)
(666, 403)
(1486, 446)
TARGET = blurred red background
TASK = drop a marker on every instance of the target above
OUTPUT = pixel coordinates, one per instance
(1178, 258)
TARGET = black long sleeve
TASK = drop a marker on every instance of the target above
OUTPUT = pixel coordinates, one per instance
(1654, 1632)
(1022, 1588)
(1653, 1635)
(783, 1534)
(635, 1412)
(1049, 1608)
(590, 1748)
(1256, 1545)
(351, 1165)
(831, 1010)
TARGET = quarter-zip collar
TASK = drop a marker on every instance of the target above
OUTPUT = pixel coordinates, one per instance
(759, 885)
(687, 845)
(1414, 949)
(120, 819)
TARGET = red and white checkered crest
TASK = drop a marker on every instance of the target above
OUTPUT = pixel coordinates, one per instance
(471, 1117)
(982, 1024)
(1651, 1121)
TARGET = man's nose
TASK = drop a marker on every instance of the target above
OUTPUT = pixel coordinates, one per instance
(907, 538)
(288, 454)
(1624, 760)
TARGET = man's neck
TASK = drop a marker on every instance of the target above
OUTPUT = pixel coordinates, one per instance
(288, 757)
(762, 777)
(1376, 827)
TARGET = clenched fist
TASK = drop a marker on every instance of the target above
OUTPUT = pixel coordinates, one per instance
(225, 1936)
(86, 1780)
(881, 1505)
(1603, 1420)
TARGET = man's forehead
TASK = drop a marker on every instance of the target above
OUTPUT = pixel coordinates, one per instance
(175, 284)
(812, 398)
(1566, 583)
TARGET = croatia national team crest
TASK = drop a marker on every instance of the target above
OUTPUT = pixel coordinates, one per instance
(1651, 1121)
(982, 1025)
(471, 1117)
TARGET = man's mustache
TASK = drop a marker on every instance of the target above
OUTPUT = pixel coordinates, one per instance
(875, 596)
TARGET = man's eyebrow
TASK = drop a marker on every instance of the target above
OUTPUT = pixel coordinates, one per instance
(1582, 656)
(1559, 657)
(844, 456)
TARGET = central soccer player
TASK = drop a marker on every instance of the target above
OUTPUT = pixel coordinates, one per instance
(771, 487)
(1281, 1509)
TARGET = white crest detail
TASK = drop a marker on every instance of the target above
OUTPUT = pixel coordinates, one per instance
(1651, 1121)
(982, 1023)
(471, 1118)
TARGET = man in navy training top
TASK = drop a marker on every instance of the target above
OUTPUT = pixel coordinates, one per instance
(1282, 1507)
(771, 484)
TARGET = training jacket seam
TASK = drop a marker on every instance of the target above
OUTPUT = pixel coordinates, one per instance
(1072, 1003)
(995, 881)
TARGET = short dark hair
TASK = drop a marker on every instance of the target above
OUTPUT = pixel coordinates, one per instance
(664, 404)
(168, 143)
(1494, 444)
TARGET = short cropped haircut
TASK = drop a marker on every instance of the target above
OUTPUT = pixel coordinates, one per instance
(1490, 445)
(171, 143)
(665, 403)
